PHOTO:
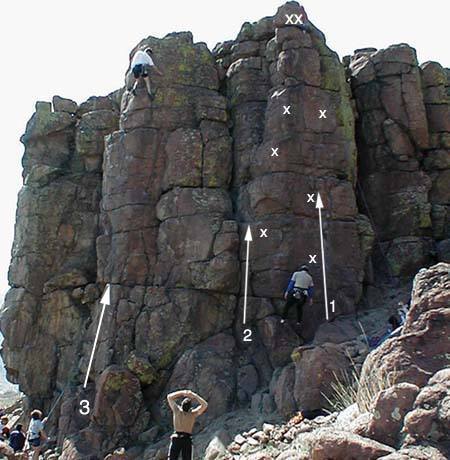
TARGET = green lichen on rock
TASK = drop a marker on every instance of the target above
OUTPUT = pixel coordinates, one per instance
(44, 122)
(345, 118)
(141, 367)
(116, 381)
(167, 357)
(366, 235)
(333, 74)
(296, 355)
(246, 32)
(318, 41)
(425, 216)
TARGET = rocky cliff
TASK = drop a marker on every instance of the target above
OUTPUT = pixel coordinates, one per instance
(154, 197)
(407, 417)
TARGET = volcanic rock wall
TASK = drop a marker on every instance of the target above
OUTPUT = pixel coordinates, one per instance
(53, 267)
(154, 199)
(274, 67)
(402, 133)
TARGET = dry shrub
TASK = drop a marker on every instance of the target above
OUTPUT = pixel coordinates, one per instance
(348, 388)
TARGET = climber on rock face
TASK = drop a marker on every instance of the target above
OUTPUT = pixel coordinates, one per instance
(299, 290)
(183, 422)
(141, 65)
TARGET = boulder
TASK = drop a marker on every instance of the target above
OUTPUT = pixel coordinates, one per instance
(390, 408)
(316, 368)
(118, 399)
(429, 421)
(118, 454)
(141, 367)
(6, 450)
(278, 340)
(218, 445)
(61, 104)
(345, 446)
(416, 453)
(426, 328)
(282, 388)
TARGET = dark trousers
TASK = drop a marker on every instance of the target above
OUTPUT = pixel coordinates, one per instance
(291, 301)
(180, 444)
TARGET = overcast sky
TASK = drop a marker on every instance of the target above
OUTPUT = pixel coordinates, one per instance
(80, 48)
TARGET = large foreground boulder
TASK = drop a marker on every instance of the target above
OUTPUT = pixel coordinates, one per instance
(345, 446)
(427, 328)
(429, 421)
(390, 408)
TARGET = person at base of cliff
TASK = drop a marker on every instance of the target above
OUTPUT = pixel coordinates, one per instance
(4, 430)
(36, 433)
(141, 65)
(402, 311)
(184, 418)
(17, 438)
(299, 290)
(393, 329)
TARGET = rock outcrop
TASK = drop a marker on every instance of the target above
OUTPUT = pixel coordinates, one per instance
(402, 135)
(153, 197)
(403, 421)
(427, 329)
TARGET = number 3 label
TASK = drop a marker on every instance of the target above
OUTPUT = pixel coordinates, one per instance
(84, 407)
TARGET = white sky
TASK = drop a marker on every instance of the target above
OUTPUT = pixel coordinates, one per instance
(80, 48)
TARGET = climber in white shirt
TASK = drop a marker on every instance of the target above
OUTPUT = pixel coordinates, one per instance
(141, 64)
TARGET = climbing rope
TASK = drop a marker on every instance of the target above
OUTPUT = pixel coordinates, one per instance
(55, 404)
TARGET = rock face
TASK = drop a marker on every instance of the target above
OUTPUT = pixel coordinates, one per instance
(53, 267)
(280, 157)
(154, 197)
(402, 133)
(403, 421)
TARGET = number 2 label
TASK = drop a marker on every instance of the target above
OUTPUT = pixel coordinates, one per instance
(248, 335)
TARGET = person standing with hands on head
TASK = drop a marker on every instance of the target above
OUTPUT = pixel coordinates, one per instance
(184, 418)
(141, 65)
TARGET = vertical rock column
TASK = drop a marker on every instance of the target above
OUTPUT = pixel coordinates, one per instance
(437, 158)
(53, 267)
(168, 245)
(392, 132)
(279, 78)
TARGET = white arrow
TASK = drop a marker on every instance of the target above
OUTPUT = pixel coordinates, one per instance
(105, 300)
(319, 206)
(248, 238)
